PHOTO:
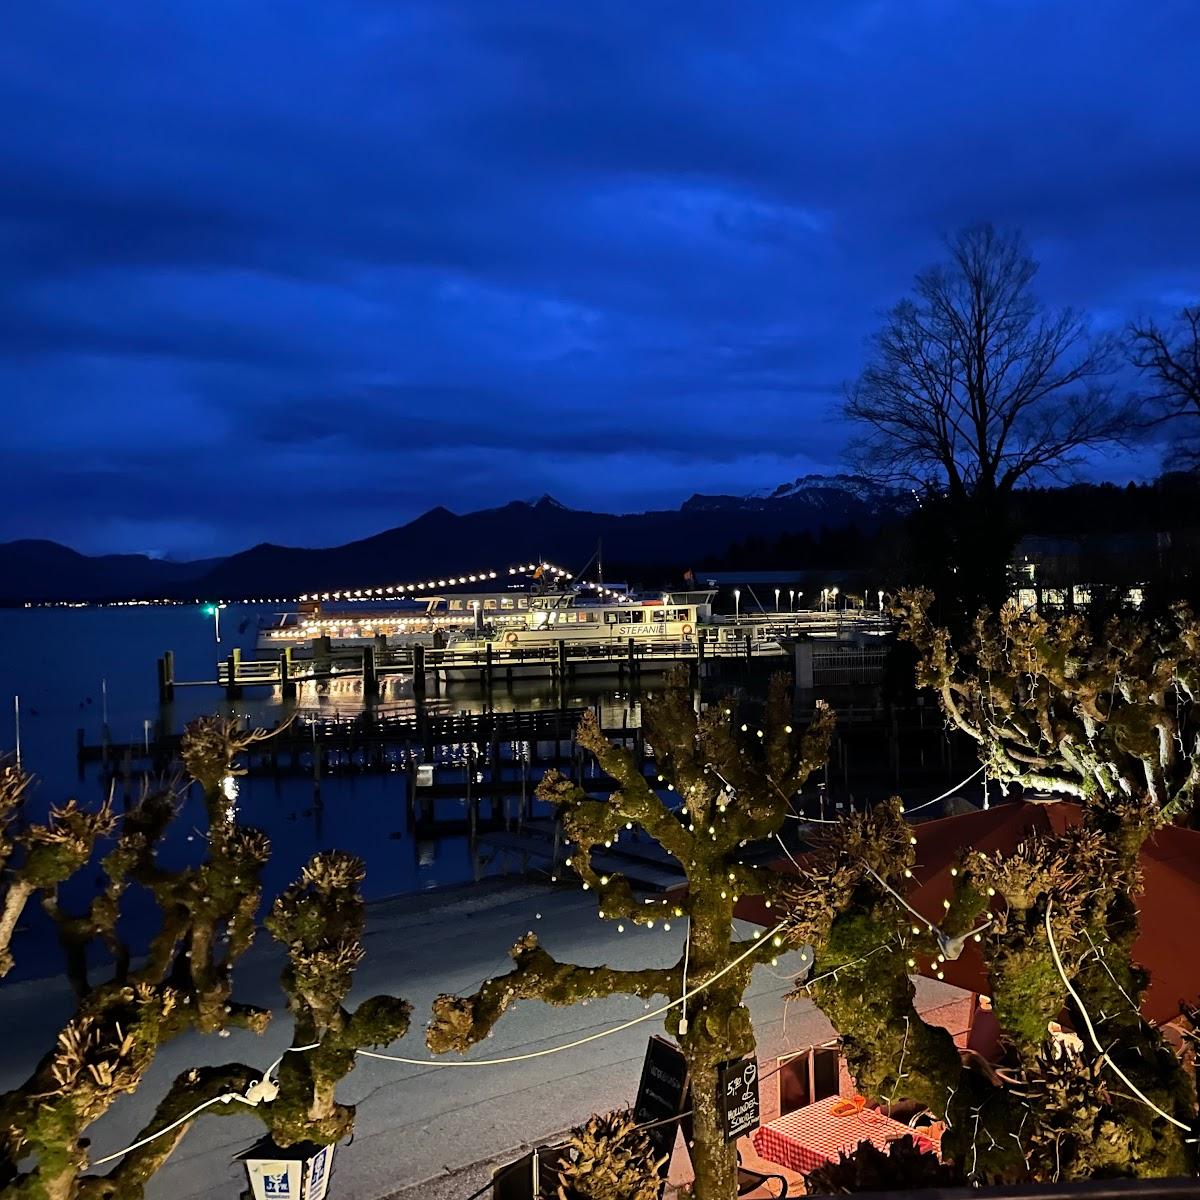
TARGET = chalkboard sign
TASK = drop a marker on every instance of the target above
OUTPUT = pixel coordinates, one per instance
(738, 1081)
(663, 1093)
(515, 1180)
(530, 1176)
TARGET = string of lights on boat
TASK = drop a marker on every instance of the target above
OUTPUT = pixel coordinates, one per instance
(412, 590)
(313, 624)
(399, 591)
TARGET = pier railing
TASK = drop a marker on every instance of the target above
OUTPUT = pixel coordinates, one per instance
(375, 661)
(825, 662)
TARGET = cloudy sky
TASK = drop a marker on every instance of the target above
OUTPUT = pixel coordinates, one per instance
(299, 270)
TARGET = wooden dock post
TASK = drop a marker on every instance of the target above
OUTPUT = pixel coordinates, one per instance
(424, 729)
(487, 669)
(166, 677)
(232, 691)
(370, 675)
(410, 790)
(418, 660)
(472, 813)
(526, 803)
(495, 775)
(287, 685)
(320, 649)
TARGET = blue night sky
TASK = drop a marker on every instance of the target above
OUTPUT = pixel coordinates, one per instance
(299, 271)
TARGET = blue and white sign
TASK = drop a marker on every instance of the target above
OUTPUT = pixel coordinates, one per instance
(292, 1173)
(317, 1183)
(275, 1180)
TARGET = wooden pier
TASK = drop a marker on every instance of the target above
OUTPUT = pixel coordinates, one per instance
(368, 737)
(625, 661)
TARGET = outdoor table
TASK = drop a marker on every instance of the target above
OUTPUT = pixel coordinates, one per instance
(811, 1136)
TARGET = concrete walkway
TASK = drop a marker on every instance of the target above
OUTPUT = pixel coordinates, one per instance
(427, 1130)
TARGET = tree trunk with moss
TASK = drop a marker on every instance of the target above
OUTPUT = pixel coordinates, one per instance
(734, 785)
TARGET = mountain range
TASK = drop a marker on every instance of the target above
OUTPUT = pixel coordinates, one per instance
(442, 542)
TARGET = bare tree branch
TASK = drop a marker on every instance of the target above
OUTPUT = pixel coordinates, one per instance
(974, 387)
(1170, 358)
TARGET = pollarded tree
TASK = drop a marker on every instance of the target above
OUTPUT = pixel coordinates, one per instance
(319, 921)
(184, 982)
(1108, 718)
(42, 856)
(1106, 721)
(1052, 896)
(733, 786)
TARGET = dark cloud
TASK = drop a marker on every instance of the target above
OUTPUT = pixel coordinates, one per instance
(300, 271)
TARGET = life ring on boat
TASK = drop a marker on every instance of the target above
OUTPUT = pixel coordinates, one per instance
(686, 630)
(510, 638)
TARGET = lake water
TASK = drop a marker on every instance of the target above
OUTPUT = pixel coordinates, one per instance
(60, 662)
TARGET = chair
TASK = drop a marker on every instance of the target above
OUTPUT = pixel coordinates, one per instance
(749, 1180)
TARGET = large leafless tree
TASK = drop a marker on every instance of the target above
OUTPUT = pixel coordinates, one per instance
(974, 385)
(1170, 356)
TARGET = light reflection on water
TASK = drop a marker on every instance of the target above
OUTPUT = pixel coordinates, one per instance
(55, 660)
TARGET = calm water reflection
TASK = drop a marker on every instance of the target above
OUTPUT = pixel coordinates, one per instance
(61, 661)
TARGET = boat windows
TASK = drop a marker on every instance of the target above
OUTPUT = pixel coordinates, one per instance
(506, 602)
(625, 616)
(489, 604)
(456, 606)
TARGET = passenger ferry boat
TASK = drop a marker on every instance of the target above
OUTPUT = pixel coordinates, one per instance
(673, 617)
(512, 620)
(424, 621)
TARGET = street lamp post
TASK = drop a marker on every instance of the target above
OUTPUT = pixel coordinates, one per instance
(776, 599)
(215, 610)
(791, 600)
(737, 606)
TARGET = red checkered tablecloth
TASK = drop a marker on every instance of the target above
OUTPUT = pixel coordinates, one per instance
(811, 1136)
